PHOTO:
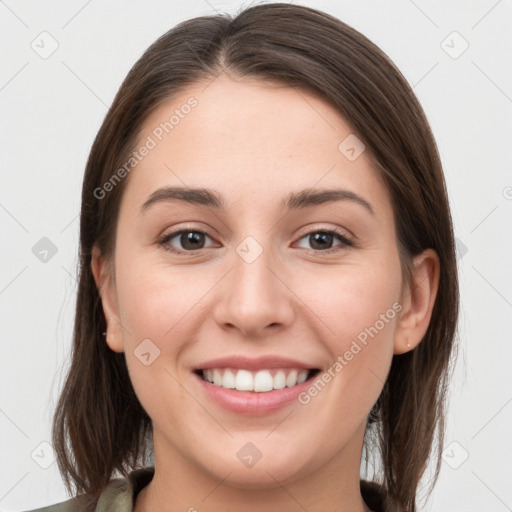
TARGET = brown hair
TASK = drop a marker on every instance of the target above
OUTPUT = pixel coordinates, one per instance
(99, 425)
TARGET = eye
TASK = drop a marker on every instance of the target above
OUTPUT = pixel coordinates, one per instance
(190, 240)
(321, 240)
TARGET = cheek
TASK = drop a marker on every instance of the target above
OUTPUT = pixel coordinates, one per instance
(154, 297)
(154, 307)
(355, 299)
(358, 306)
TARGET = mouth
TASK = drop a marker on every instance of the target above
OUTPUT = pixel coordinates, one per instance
(257, 381)
(253, 386)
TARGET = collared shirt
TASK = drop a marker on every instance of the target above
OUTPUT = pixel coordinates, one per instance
(120, 495)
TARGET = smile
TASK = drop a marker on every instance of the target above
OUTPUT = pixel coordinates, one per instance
(258, 381)
(253, 385)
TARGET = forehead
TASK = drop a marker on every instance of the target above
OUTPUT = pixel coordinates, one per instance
(249, 138)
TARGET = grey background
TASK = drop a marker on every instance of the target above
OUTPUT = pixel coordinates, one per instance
(51, 109)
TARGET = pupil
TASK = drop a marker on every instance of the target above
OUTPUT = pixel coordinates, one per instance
(190, 237)
(321, 236)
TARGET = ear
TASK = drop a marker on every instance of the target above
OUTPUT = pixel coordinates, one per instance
(103, 274)
(418, 300)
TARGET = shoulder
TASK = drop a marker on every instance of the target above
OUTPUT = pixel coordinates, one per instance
(83, 503)
(118, 496)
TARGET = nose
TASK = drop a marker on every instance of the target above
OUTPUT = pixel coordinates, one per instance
(254, 298)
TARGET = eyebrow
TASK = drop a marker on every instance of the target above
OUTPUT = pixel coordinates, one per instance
(293, 201)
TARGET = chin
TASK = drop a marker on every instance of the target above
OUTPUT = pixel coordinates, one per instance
(276, 466)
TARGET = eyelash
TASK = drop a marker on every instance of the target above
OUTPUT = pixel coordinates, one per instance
(164, 240)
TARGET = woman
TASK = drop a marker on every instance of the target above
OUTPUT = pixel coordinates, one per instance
(268, 291)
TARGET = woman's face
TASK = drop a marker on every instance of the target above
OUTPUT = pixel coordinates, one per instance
(262, 283)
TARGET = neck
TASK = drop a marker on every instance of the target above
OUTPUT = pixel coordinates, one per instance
(179, 484)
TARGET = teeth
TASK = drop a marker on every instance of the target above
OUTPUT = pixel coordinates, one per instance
(263, 381)
(291, 380)
(244, 381)
(228, 380)
(279, 380)
(260, 381)
(302, 377)
(217, 378)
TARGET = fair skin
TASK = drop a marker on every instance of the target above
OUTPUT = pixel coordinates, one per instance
(254, 142)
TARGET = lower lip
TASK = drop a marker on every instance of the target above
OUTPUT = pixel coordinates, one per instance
(252, 402)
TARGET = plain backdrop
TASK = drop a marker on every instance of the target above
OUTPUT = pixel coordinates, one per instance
(60, 67)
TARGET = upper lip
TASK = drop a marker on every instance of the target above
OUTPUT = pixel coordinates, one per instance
(253, 363)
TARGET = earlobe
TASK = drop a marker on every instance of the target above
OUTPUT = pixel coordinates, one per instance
(102, 273)
(418, 302)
